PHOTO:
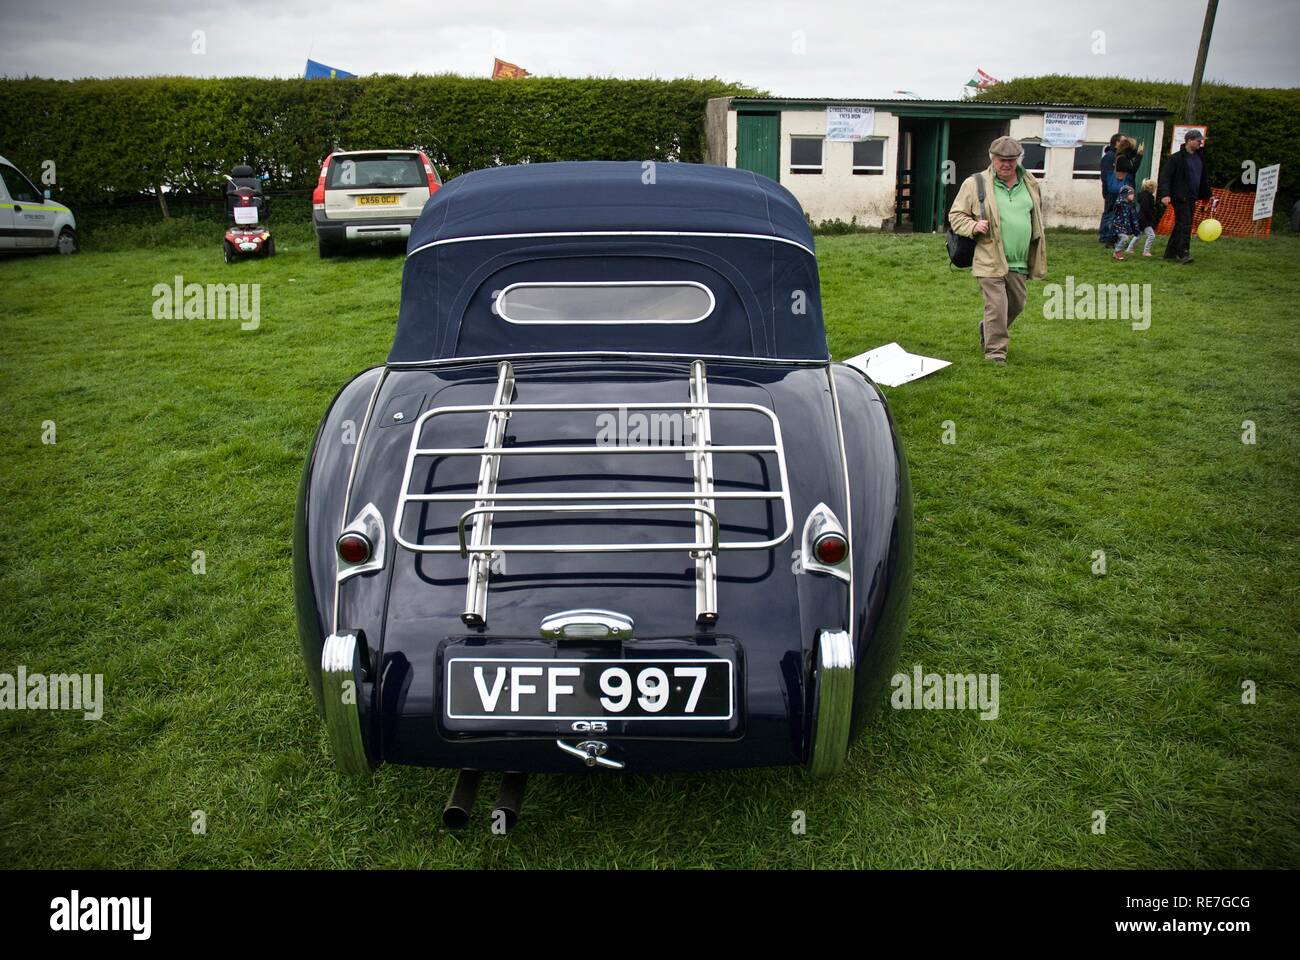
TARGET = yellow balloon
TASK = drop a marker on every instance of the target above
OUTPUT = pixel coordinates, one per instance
(1209, 230)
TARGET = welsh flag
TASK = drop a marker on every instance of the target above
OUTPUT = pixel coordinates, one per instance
(981, 80)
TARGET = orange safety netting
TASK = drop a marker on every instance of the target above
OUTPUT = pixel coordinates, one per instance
(1231, 209)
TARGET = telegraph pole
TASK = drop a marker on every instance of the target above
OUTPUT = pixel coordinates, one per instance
(1211, 8)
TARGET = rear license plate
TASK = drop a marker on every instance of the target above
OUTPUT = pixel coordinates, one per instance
(377, 200)
(508, 688)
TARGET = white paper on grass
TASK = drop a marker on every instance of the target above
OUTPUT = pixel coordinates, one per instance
(893, 366)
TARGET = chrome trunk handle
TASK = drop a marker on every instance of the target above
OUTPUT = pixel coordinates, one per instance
(587, 625)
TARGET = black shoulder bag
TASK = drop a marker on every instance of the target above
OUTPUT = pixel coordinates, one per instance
(961, 250)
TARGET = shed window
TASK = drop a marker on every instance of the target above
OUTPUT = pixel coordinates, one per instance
(1087, 161)
(869, 156)
(1035, 158)
(634, 301)
(805, 154)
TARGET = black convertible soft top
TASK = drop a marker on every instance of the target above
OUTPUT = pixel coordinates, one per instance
(610, 195)
(741, 235)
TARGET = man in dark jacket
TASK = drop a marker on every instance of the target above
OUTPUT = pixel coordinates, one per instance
(1107, 233)
(1183, 181)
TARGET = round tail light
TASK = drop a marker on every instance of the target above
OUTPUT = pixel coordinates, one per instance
(354, 548)
(831, 549)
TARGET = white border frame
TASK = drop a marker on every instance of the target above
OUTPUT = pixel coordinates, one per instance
(1047, 158)
(1094, 174)
(884, 157)
(808, 167)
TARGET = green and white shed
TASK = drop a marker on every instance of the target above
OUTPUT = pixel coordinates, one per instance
(905, 158)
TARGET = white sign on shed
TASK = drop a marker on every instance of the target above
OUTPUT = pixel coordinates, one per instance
(850, 123)
(1064, 129)
(1180, 134)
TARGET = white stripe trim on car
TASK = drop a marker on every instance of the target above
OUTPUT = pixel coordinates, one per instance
(612, 233)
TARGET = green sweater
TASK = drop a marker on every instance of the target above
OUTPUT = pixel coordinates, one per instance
(1015, 211)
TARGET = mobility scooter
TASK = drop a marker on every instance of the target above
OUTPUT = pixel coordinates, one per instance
(245, 206)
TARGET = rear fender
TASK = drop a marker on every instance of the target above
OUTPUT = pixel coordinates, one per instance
(321, 498)
(881, 539)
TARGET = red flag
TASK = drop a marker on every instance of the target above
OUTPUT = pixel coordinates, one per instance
(502, 70)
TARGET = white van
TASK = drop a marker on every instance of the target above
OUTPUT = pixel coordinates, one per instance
(29, 220)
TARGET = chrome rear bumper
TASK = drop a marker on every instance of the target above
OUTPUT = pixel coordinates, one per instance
(341, 692)
(832, 702)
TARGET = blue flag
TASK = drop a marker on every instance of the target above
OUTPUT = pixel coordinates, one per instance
(317, 71)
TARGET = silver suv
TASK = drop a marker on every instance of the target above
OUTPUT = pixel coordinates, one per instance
(366, 195)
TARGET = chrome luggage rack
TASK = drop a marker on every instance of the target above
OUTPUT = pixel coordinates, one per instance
(476, 544)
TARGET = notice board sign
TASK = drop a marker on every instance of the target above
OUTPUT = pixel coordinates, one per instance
(850, 123)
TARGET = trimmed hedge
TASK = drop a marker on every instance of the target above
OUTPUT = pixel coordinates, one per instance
(1246, 123)
(120, 138)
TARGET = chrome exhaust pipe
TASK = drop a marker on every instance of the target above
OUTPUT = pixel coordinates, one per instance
(510, 800)
(455, 816)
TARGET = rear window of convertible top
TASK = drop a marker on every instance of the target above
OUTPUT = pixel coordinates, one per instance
(608, 302)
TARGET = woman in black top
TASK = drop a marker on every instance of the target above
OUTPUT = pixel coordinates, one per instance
(1128, 159)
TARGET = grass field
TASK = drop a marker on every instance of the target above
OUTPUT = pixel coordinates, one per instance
(1119, 693)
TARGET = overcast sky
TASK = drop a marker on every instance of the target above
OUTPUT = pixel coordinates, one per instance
(850, 48)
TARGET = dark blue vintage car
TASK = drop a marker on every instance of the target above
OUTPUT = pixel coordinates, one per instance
(609, 504)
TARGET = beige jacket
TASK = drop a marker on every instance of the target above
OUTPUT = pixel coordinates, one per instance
(990, 260)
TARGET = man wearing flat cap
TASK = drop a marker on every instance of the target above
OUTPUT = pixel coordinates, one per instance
(1183, 181)
(1010, 247)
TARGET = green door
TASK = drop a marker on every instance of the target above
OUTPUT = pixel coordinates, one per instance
(926, 136)
(758, 143)
(940, 188)
(1143, 131)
